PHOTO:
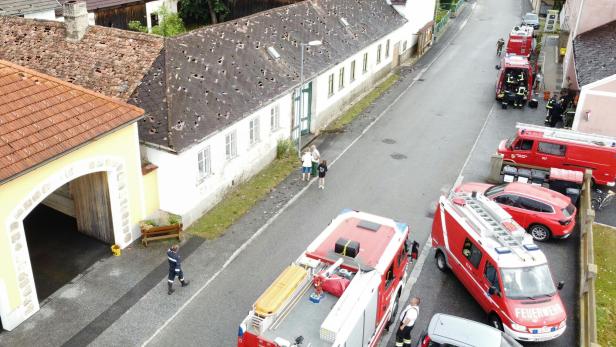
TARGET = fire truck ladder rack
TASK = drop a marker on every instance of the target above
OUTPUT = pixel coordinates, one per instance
(495, 230)
(565, 134)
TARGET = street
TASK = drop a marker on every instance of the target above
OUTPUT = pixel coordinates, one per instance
(397, 169)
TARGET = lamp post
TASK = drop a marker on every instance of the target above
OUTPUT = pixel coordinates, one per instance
(301, 93)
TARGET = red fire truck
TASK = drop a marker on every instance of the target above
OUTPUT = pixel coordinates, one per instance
(513, 65)
(342, 291)
(498, 263)
(563, 149)
(521, 41)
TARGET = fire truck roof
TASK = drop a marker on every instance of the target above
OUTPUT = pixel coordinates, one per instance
(379, 239)
(515, 60)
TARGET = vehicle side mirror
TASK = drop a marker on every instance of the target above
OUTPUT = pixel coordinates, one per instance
(560, 285)
(497, 67)
(492, 290)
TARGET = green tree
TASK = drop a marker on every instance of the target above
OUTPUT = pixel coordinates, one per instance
(169, 24)
(203, 11)
(136, 25)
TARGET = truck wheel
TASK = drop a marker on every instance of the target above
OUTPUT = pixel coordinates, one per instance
(394, 312)
(495, 321)
(441, 262)
(539, 232)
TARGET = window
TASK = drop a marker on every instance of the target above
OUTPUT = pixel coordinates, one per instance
(472, 253)
(255, 131)
(389, 276)
(275, 118)
(154, 19)
(404, 46)
(509, 200)
(352, 71)
(551, 148)
(491, 275)
(365, 63)
(341, 78)
(231, 145)
(330, 84)
(387, 49)
(534, 205)
(204, 164)
(378, 54)
(524, 145)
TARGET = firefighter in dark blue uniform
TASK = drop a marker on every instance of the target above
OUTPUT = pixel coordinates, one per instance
(175, 268)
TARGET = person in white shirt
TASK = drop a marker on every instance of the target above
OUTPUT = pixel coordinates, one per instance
(407, 321)
(316, 159)
(306, 165)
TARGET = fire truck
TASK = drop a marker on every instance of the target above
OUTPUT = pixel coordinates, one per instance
(513, 65)
(342, 291)
(563, 149)
(521, 41)
(500, 266)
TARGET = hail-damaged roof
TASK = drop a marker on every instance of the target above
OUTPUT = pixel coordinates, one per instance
(595, 54)
(42, 117)
(212, 77)
(23, 7)
(107, 60)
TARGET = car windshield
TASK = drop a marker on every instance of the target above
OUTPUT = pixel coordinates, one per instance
(495, 190)
(531, 17)
(528, 282)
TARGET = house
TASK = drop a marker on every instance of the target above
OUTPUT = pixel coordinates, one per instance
(73, 150)
(118, 13)
(595, 112)
(230, 91)
(35, 9)
(582, 16)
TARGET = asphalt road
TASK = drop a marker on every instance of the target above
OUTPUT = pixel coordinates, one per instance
(433, 125)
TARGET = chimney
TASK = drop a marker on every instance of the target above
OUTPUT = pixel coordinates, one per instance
(75, 19)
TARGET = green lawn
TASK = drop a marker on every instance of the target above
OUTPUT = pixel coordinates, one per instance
(605, 258)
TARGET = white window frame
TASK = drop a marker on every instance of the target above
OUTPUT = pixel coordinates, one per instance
(204, 164)
(275, 118)
(341, 78)
(231, 145)
(378, 53)
(352, 72)
(330, 85)
(387, 49)
(364, 67)
(254, 130)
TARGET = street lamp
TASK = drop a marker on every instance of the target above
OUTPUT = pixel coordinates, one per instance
(301, 93)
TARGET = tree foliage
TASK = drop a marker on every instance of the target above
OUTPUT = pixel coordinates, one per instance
(203, 11)
(136, 25)
(169, 24)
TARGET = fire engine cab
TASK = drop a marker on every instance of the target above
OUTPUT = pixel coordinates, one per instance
(563, 149)
(499, 265)
(342, 291)
(521, 41)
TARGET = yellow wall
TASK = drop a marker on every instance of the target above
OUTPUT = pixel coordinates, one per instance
(150, 192)
(122, 144)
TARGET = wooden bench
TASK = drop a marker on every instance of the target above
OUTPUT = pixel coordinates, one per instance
(160, 233)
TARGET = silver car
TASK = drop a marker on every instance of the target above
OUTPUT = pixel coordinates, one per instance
(531, 19)
(446, 330)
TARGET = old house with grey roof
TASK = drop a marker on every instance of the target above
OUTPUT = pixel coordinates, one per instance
(37, 9)
(218, 99)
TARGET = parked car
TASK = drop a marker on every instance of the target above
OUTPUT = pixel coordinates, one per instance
(531, 19)
(544, 213)
(446, 330)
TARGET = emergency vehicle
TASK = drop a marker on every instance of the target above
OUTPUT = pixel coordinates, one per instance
(514, 65)
(563, 149)
(342, 291)
(521, 41)
(500, 266)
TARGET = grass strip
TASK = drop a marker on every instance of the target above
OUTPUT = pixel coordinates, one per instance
(359, 107)
(604, 238)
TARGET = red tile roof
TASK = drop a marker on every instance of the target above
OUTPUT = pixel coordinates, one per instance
(42, 117)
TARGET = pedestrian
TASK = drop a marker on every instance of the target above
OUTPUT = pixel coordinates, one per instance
(322, 171)
(306, 165)
(407, 321)
(499, 46)
(316, 158)
(175, 268)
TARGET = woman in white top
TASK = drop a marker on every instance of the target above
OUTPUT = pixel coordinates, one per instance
(306, 165)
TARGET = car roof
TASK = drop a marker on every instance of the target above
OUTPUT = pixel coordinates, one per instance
(540, 193)
(462, 332)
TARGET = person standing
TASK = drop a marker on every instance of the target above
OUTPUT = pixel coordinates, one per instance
(316, 158)
(175, 268)
(407, 321)
(499, 46)
(322, 171)
(520, 95)
(306, 165)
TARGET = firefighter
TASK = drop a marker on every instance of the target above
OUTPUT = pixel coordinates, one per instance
(555, 115)
(175, 268)
(519, 96)
(510, 81)
(521, 78)
(407, 321)
(499, 46)
(549, 106)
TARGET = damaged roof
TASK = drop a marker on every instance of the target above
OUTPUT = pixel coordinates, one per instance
(595, 54)
(92, 5)
(107, 60)
(23, 7)
(42, 117)
(212, 77)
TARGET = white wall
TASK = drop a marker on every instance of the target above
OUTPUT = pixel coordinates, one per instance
(418, 13)
(179, 188)
(46, 15)
(153, 6)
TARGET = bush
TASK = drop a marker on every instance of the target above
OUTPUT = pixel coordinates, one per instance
(174, 219)
(284, 148)
(136, 25)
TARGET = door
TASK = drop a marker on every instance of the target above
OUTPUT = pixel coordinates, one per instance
(395, 58)
(551, 154)
(490, 279)
(523, 151)
(303, 110)
(512, 204)
(471, 260)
